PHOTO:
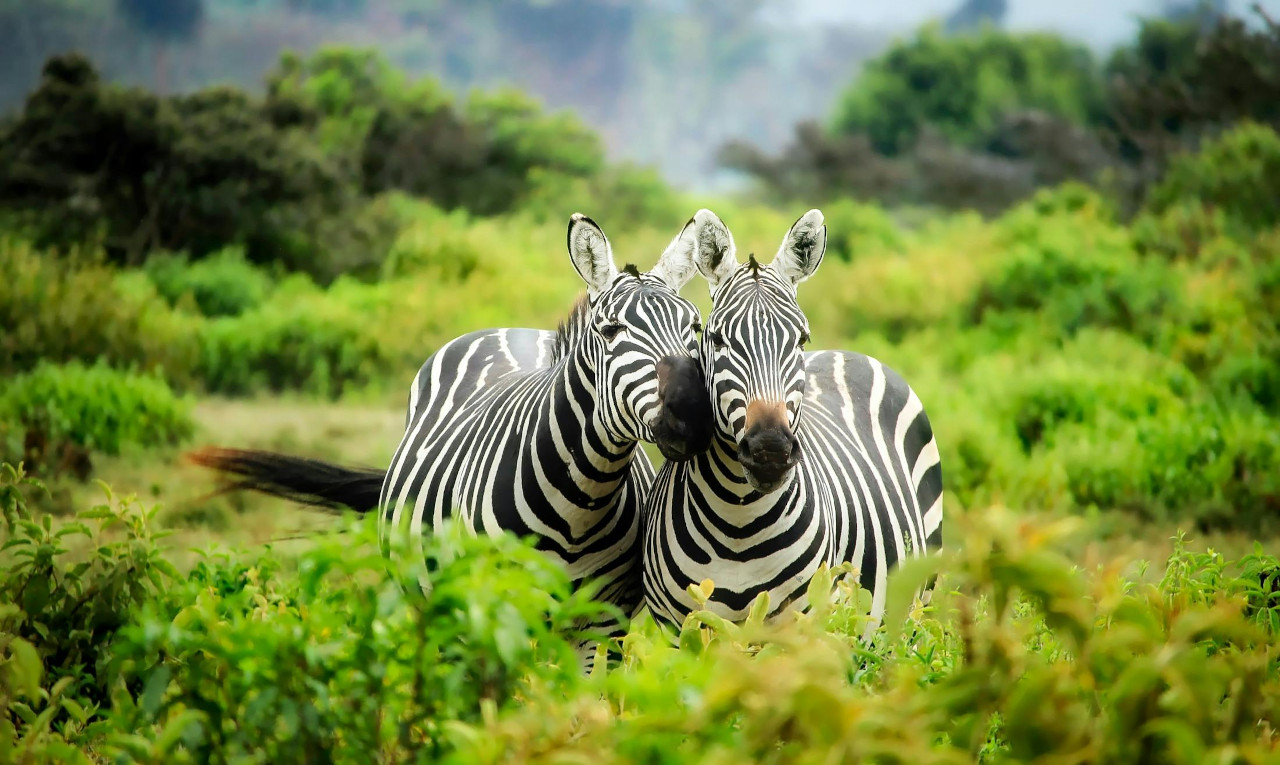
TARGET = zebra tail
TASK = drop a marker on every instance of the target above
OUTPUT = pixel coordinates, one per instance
(311, 482)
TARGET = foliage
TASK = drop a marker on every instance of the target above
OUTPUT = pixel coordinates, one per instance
(304, 339)
(63, 605)
(222, 284)
(1182, 81)
(962, 85)
(60, 309)
(1236, 175)
(52, 409)
(192, 172)
(1022, 654)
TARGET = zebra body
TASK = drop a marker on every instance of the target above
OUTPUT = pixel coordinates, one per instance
(819, 458)
(534, 432)
(490, 443)
(867, 490)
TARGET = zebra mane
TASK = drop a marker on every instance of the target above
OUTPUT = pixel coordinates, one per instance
(570, 327)
(754, 265)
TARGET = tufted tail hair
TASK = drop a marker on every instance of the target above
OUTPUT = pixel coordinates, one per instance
(311, 482)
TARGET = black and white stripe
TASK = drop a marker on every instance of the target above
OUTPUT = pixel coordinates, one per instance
(819, 457)
(535, 432)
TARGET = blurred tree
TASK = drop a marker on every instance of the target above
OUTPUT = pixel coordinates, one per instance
(164, 21)
(962, 85)
(192, 173)
(972, 14)
(1182, 81)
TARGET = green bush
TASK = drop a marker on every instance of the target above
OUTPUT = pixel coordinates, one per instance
(1076, 270)
(222, 284)
(1206, 465)
(1021, 655)
(1236, 175)
(319, 342)
(59, 309)
(61, 609)
(98, 409)
(853, 229)
(332, 663)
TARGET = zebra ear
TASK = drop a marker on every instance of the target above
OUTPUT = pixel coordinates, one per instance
(714, 253)
(591, 254)
(677, 264)
(802, 248)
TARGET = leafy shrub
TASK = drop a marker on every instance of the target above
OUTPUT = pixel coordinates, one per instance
(222, 284)
(628, 197)
(1027, 658)
(436, 242)
(1022, 654)
(1206, 465)
(98, 409)
(60, 611)
(330, 663)
(854, 228)
(75, 308)
(318, 342)
(1237, 174)
(1077, 272)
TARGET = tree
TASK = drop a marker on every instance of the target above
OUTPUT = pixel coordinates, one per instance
(963, 85)
(192, 173)
(972, 14)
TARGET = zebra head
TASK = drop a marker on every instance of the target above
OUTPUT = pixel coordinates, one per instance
(753, 347)
(643, 341)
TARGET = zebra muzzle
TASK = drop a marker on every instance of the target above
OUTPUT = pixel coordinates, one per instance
(769, 449)
(682, 429)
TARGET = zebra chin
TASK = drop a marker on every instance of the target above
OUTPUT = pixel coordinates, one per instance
(768, 454)
(682, 428)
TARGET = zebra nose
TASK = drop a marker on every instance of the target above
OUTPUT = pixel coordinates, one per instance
(770, 447)
(682, 426)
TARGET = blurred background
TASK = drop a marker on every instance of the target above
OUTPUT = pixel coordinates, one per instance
(247, 222)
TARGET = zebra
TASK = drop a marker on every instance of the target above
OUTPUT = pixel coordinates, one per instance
(536, 432)
(819, 457)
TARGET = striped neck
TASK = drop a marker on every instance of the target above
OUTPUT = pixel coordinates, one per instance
(569, 432)
(719, 470)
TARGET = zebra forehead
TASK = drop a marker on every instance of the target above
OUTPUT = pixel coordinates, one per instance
(643, 295)
(765, 297)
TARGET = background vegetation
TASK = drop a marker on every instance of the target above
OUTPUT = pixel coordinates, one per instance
(1076, 264)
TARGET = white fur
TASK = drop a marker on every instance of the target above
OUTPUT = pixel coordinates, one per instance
(716, 256)
(802, 248)
(591, 254)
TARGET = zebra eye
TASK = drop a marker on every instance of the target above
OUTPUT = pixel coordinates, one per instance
(611, 330)
(804, 340)
(717, 340)
(696, 327)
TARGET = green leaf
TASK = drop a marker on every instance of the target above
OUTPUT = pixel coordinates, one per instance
(153, 692)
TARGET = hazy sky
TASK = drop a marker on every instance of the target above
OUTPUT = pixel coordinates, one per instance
(1101, 23)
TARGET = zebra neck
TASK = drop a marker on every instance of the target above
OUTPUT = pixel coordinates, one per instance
(570, 434)
(725, 481)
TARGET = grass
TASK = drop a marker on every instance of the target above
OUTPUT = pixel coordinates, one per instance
(366, 433)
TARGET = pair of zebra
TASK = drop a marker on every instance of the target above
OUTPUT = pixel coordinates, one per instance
(778, 460)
